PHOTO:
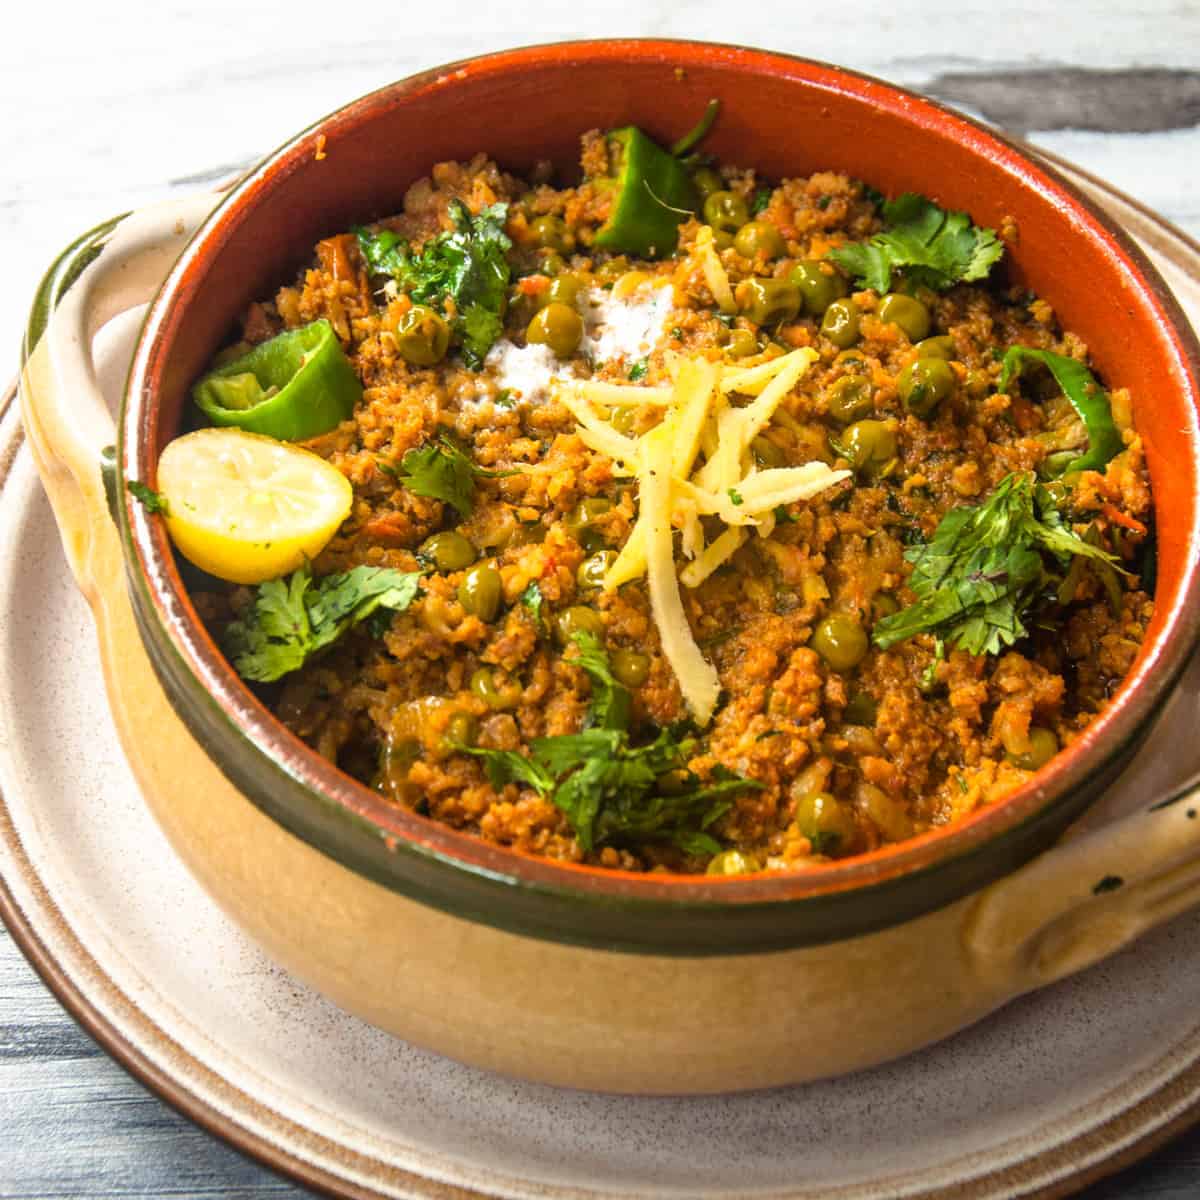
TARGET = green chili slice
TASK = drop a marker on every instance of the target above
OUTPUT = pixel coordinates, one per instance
(296, 386)
(1086, 395)
(654, 194)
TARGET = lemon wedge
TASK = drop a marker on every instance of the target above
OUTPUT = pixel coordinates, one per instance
(247, 508)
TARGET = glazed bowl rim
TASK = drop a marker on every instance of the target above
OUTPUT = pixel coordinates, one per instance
(195, 654)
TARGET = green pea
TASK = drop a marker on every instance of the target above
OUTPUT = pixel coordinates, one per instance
(578, 619)
(1043, 746)
(766, 453)
(630, 667)
(422, 336)
(742, 343)
(868, 445)
(840, 323)
(558, 326)
(725, 210)
(826, 822)
(1054, 465)
(623, 419)
(553, 234)
(757, 238)
(707, 181)
(849, 399)
(612, 269)
(495, 689)
(563, 289)
(841, 641)
(580, 522)
(591, 572)
(924, 384)
(461, 730)
(732, 862)
(884, 604)
(448, 551)
(911, 315)
(820, 285)
(937, 347)
(769, 301)
(481, 591)
(861, 709)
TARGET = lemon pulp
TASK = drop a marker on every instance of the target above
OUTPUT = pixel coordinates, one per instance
(245, 507)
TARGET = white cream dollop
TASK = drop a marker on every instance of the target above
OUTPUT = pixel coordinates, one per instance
(526, 371)
(629, 328)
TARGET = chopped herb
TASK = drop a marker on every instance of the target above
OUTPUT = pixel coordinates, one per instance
(677, 333)
(823, 202)
(150, 500)
(442, 472)
(984, 567)
(638, 371)
(467, 265)
(767, 733)
(933, 247)
(762, 198)
(735, 497)
(873, 195)
(506, 398)
(609, 789)
(534, 602)
(825, 841)
(291, 620)
(962, 784)
(784, 516)
(929, 676)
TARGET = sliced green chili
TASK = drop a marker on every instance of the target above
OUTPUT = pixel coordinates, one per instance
(1087, 397)
(654, 194)
(296, 386)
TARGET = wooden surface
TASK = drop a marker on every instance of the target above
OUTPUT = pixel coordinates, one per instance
(104, 105)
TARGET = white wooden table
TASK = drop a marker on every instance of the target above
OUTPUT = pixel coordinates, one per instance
(106, 109)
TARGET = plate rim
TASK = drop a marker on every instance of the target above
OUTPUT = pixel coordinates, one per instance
(1121, 1139)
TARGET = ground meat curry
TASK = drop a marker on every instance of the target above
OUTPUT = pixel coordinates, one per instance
(957, 598)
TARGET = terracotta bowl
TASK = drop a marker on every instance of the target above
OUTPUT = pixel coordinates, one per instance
(354, 878)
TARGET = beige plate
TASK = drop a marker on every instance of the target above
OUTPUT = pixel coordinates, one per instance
(1055, 1090)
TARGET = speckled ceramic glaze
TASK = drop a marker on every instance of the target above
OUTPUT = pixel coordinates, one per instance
(414, 926)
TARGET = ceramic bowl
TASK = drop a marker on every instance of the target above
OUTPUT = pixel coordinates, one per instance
(354, 878)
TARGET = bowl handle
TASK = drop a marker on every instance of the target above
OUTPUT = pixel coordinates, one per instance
(1091, 895)
(110, 269)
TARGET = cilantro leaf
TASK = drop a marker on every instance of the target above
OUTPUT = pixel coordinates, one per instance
(933, 247)
(610, 790)
(534, 602)
(637, 372)
(611, 700)
(443, 472)
(440, 471)
(152, 501)
(984, 567)
(467, 265)
(290, 620)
